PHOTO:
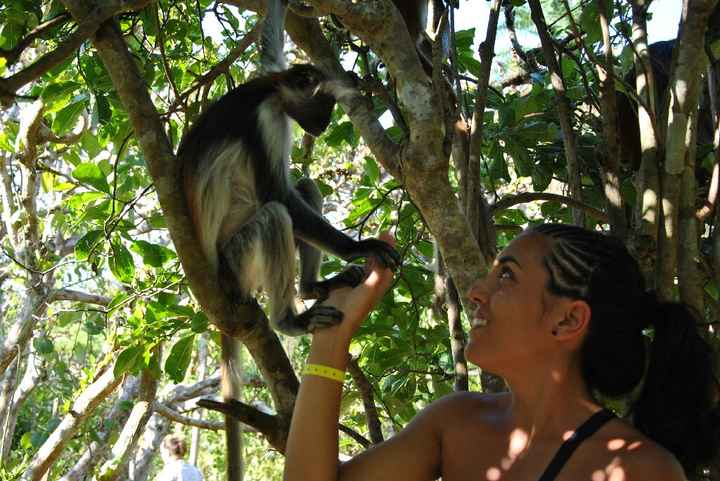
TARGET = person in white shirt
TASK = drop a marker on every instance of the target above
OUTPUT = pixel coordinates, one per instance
(173, 451)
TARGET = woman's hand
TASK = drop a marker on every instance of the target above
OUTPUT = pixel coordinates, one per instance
(356, 303)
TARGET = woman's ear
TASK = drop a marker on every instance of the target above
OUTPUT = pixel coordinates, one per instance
(575, 322)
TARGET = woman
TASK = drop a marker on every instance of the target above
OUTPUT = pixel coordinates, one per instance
(560, 317)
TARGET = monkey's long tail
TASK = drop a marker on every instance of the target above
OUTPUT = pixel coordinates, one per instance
(231, 387)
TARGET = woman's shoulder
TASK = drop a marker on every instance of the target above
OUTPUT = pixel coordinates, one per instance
(635, 457)
(463, 406)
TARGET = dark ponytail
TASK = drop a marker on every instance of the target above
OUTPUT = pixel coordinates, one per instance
(678, 403)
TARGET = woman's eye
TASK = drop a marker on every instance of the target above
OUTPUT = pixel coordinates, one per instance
(506, 273)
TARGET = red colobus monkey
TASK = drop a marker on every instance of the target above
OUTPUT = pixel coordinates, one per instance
(246, 212)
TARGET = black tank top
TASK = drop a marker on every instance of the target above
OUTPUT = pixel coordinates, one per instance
(587, 429)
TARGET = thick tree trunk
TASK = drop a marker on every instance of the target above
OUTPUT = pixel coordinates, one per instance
(647, 211)
(20, 333)
(689, 281)
(684, 94)
(608, 107)
(31, 377)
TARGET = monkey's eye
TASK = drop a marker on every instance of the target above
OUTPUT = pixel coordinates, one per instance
(307, 81)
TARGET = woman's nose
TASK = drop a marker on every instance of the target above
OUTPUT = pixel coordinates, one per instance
(478, 292)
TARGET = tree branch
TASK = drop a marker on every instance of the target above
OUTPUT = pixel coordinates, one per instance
(173, 415)
(221, 67)
(87, 26)
(269, 425)
(511, 200)
(77, 296)
(83, 407)
(366, 392)
(12, 55)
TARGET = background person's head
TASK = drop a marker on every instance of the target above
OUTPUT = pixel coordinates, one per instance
(173, 447)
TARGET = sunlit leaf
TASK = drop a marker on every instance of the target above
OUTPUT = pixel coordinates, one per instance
(178, 361)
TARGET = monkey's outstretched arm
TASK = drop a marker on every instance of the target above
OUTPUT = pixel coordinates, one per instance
(312, 227)
(272, 40)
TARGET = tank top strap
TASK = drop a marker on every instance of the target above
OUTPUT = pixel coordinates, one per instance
(587, 429)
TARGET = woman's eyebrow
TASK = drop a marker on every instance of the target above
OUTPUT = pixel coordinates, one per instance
(506, 259)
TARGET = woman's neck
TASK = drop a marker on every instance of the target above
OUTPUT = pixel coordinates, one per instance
(549, 400)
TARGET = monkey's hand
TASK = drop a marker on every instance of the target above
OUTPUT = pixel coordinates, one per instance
(351, 276)
(381, 250)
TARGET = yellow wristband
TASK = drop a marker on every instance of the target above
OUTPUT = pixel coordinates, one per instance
(325, 371)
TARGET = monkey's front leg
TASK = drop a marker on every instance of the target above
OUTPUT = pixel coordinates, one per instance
(261, 253)
(311, 256)
(312, 228)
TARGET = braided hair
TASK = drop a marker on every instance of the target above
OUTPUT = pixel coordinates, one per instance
(677, 405)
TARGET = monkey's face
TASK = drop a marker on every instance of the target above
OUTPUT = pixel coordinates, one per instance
(306, 99)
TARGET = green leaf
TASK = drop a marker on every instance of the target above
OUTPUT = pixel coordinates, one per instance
(59, 90)
(81, 201)
(92, 175)
(102, 109)
(199, 322)
(152, 254)
(121, 262)
(372, 170)
(67, 117)
(343, 132)
(94, 324)
(26, 440)
(43, 345)
(65, 318)
(87, 243)
(464, 39)
(127, 360)
(179, 359)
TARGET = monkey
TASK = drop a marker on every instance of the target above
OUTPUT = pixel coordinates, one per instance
(247, 215)
(661, 55)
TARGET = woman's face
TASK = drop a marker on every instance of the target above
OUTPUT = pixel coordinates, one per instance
(515, 314)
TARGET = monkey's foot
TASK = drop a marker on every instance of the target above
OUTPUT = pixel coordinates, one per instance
(351, 276)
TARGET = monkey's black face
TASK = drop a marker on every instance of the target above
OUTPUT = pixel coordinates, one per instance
(305, 100)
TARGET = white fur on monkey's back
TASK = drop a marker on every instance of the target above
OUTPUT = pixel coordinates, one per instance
(225, 191)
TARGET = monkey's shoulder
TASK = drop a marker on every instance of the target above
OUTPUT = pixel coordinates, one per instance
(233, 117)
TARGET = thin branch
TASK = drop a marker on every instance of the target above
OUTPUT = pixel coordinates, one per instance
(511, 200)
(168, 412)
(184, 393)
(268, 424)
(12, 55)
(359, 438)
(222, 67)
(530, 62)
(77, 296)
(366, 392)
